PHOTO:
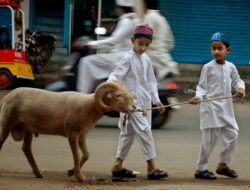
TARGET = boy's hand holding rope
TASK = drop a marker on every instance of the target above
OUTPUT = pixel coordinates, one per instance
(195, 100)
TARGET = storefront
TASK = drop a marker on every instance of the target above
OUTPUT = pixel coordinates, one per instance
(67, 19)
(193, 23)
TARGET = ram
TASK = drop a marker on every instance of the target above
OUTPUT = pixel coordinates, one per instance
(28, 111)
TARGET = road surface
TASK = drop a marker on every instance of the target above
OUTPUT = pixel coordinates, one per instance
(177, 147)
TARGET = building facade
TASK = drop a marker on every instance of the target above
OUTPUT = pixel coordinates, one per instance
(192, 21)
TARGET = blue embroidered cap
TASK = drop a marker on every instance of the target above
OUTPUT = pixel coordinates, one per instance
(221, 37)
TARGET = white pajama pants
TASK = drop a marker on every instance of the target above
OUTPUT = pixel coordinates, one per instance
(144, 136)
(229, 136)
(94, 67)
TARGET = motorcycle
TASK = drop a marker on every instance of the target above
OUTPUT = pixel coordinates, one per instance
(167, 89)
(39, 48)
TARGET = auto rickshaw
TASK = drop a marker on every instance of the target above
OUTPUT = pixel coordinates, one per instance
(13, 56)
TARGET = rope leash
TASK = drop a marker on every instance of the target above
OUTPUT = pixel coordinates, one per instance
(144, 110)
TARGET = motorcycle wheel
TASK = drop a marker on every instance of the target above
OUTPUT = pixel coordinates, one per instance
(158, 120)
(6, 80)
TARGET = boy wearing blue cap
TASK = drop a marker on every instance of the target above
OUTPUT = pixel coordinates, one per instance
(217, 118)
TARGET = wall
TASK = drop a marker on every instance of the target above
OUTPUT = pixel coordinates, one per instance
(194, 21)
(26, 8)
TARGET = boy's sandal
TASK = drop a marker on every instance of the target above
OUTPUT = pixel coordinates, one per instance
(124, 173)
(227, 172)
(157, 174)
(205, 175)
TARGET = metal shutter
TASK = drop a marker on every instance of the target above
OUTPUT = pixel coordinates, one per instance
(193, 23)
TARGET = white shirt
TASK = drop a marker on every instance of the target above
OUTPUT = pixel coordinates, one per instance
(136, 73)
(163, 39)
(120, 40)
(217, 80)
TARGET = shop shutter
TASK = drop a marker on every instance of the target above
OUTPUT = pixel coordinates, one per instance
(194, 21)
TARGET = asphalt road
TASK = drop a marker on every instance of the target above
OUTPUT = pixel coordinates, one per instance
(177, 147)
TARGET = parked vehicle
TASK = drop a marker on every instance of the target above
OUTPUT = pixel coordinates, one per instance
(39, 47)
(13, 62)
(20, 57)
(67, 82)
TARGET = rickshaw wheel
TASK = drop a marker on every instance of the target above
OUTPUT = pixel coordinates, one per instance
(6, 80)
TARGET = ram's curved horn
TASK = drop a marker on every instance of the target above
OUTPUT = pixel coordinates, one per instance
(103, 89)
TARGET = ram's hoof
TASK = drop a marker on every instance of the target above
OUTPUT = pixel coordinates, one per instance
(39, 175)
(70, 172)
(80, 177)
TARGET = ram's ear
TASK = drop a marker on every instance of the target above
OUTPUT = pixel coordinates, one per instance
(106, 101)
(109, 95)
(118, 94)
(103, 91)
(107, 90)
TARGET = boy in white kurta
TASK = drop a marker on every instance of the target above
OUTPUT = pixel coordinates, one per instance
(217, 79)
(135, 72)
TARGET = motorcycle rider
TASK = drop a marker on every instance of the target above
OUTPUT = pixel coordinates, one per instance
(99, 66)
(163, 40)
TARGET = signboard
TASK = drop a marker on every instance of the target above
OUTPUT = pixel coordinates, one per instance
(12, 3)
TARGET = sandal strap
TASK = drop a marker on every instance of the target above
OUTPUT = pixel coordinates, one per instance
(157, 171)
(208, 173)
(227, 172)
(124, 173)
(205, 175)
(127, 171)
(157, 174)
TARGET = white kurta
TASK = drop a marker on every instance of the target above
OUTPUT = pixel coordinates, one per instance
(99, 66)
(217, 117)
(162, 44)
(217, 80)
(136, 73)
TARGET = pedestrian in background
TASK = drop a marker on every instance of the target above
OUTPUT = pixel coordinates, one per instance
(136, 73)
(163, 39)
(217, 119)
